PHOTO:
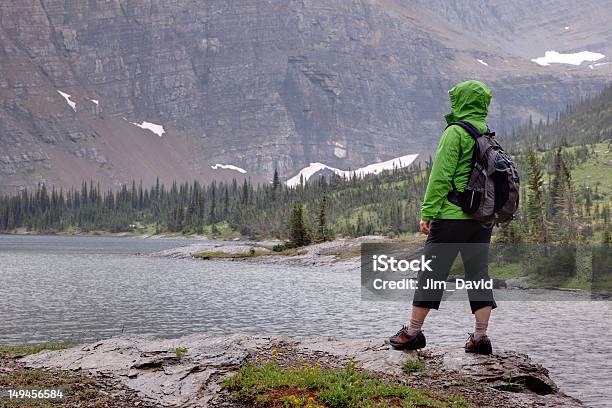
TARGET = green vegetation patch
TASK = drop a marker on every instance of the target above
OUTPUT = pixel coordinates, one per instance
(596, 171)
(413, 366)
(75, 389)
(512, 384)
(285, 251)
(343, 252)
(179, 351)
(271, 385)
(458, 402)
(220, 230)
(26, 349)
(506, 271)
(229, 255)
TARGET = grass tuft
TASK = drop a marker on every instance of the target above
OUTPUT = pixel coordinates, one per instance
(413, 366)
(458, 402)
(179, 352)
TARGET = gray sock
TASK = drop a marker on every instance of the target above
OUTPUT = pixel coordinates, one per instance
(480, 329)
(413, 327)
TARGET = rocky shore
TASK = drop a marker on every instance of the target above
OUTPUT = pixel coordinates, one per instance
(340, 253)
(189, 371)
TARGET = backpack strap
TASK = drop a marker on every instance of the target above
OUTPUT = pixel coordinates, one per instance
(468, 127)
(471, 129)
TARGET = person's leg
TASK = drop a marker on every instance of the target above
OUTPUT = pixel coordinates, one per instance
(479, 342)
(475, 256)
(417, 318)
(442, 252)
(481, 321)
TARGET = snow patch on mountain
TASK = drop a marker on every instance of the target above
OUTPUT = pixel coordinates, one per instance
(375, 168)
(308, 172)
(228, 167)
(592, 66)
(153, 127)
(554, 57)
(68, 100)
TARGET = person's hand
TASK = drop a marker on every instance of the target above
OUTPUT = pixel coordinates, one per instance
(425, 227)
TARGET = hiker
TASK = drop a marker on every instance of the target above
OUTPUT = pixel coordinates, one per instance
(449, 229)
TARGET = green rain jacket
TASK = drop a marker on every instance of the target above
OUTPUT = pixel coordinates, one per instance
(469, 102)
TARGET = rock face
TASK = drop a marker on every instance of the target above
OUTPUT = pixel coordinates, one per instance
(264, 84)
(151, 368)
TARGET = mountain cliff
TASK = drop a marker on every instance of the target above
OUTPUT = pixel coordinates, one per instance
(115, 90)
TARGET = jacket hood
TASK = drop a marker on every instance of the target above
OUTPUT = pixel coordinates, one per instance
(469, 100)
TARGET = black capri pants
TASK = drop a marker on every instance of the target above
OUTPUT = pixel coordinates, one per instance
(446, 239)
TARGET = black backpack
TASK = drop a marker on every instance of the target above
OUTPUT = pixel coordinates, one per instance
(491, 195)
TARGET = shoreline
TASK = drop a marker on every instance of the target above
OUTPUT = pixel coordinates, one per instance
(116, 235)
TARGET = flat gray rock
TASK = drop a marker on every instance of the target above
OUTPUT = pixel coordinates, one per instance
(152, 368)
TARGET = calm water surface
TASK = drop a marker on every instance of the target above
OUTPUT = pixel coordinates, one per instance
(88, 288)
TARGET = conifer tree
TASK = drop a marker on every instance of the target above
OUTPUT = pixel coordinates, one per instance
(535, 204)
(564, 201)
(298, 232)
(276, 183)
(322, 228)
(212, 215)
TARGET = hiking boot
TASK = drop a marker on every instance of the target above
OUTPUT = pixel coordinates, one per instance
(482, 346)
(403, 341)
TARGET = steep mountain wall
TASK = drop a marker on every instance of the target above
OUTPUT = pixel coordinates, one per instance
(257, 84)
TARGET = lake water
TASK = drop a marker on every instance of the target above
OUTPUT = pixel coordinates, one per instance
(86, 288)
